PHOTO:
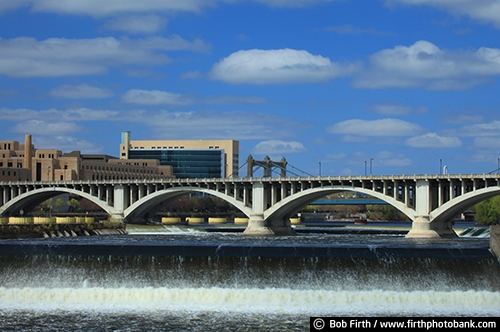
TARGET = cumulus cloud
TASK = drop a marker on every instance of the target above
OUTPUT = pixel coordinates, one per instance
(66, 144)
(481, 10)
(278, 147)
(291, 3)
(13, 4)
(101, 8)
(208, 124)
(395, 109)
(423, 64)
(487, 142)
(383, 127)
(388, 158)
(381, 158)
(79, 114)
(82, 91)
(155, 97)
(134, 24)
(40, 127)
(233, 99)
(106, 8)
(348, 29)
(433, 140)
(478, 129)
(275, 67)
(28, 57)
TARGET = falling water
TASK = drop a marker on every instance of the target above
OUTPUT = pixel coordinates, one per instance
(129, 292)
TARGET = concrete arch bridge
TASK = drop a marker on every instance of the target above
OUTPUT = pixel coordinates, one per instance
(430, 201)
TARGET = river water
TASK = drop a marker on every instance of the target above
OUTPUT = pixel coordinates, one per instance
(211, 281)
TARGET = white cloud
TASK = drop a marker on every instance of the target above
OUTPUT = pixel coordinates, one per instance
(424, 65)
(395, 109)
(13, 4)
(137, 23)
(106, 8)
(291, 3)
(487, 142)
(155, 97)
(382, 158)
(192, 75)
(101, 8)
(433, 140)
(479, 129)
(208, 124)
(80, 114)
(482, 10)
(387, 158)
(82, 91)
(40, 127)
(275, 147)
(233, 99)
(66, 144)
(163, 124)
(348, 29)
(275, 67)
(28, 57)
(383, 127)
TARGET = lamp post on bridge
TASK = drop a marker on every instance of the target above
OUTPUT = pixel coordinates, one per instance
(371, 159)
(319, 168)
(365, 167)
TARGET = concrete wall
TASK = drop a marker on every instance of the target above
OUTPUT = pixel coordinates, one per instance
(495, 240)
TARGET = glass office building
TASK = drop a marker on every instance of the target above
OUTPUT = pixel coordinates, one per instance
(188, 158)
(186, 163)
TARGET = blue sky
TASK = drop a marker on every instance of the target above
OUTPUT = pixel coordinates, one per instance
(331, 85)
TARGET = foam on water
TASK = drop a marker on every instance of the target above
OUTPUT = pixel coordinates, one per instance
(251, 300)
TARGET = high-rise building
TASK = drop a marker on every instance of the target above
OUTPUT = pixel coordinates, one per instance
(188, 158)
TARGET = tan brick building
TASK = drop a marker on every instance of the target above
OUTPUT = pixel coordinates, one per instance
(23, 162)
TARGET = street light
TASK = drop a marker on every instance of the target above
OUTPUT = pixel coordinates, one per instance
(365, 167)
(320, 168)
(371, 159)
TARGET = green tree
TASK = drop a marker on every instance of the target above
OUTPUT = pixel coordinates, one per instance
(487, 212)
(73, 204)
(59, 203)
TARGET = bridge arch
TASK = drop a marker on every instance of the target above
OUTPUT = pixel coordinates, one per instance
(458, 204)
(29, 200)
(151, 202)
(293, 203)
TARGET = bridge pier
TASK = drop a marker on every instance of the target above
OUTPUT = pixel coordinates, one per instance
(117, 217)
(257, 225)
(422, 227)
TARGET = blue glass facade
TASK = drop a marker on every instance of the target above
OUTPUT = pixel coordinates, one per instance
(186, 163)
